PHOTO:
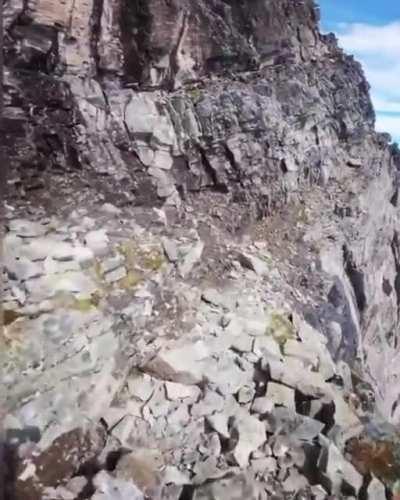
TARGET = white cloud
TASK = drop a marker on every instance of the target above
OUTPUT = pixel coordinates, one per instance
(386, 105)
(378, 49)
(390, 124)
(369, 39)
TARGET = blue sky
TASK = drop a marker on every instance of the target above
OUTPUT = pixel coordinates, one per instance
(371, 31)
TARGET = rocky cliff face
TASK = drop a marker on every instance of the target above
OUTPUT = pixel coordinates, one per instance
(179, 172)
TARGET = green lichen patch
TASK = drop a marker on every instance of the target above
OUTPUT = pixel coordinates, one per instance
(280, 328)
(153, 260)
(131, 280)
(137, 257)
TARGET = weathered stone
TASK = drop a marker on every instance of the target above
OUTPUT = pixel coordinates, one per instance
(264, 466)
(215, 298)
(141, 468)
(242, 343)
(262, 405)
(170, 249)
(180, 391)
(190, 258)
(294, 482)
(97, 241)
(212, 402)
(183, 364)
(172, 475)
(281, 395)
(235, 488)
(246, 394)
(109, 488)
(376, 490)
(26, 228)
(23, 269)
(141, 386)
(115, 275)
(254, 263)
(219, 422)
(251, 435)
(225, 114)
(340, 471)
(111, 264)
(111, 209)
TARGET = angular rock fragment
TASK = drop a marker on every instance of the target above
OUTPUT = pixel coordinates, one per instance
(190, 258)
(281, 395)
(110, 488)
(27, 228)
(376, 490)
(219, 422)
(262, 405)
(238, 487)
(340, 474)
(171, 249)
(141, 468)
(251, 435)
(177, 391)
(254, 264)
(185, 364)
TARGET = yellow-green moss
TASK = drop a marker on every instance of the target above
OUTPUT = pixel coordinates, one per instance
(280, 328)
(97, 270)
(195, 94)
(137, 257)
(131, 280)
(82, 305)
(153, 260)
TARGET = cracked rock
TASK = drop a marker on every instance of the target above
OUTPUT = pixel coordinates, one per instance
(251, 435)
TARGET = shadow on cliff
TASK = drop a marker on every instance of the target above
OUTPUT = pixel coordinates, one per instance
(10, 459)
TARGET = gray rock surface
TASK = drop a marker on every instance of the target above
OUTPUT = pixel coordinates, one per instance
(201, 255)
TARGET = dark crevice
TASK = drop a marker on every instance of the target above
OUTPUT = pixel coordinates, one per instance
(235, 167)
(187, 493)
(135, 22)
(96, 30)
(356, 278)
(210, 171)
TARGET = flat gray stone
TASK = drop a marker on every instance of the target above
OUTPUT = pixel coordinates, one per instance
(376, 490)
(211, 403)
(254, 264)
(262, 405)
(115, 275)
(109, 208)
(171, 249)
(191, 258)
(97, 241)
(339, 470)
(22, 268)
(110, 488)
(177, 391)
(246, 394)
(219, 422)
(26, 228)
(281, 395)
(172, 475)
(184, 364)
(251, 435)
(294, 482)
(141, 386)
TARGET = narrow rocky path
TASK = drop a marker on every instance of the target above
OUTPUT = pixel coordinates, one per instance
(147, 362)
